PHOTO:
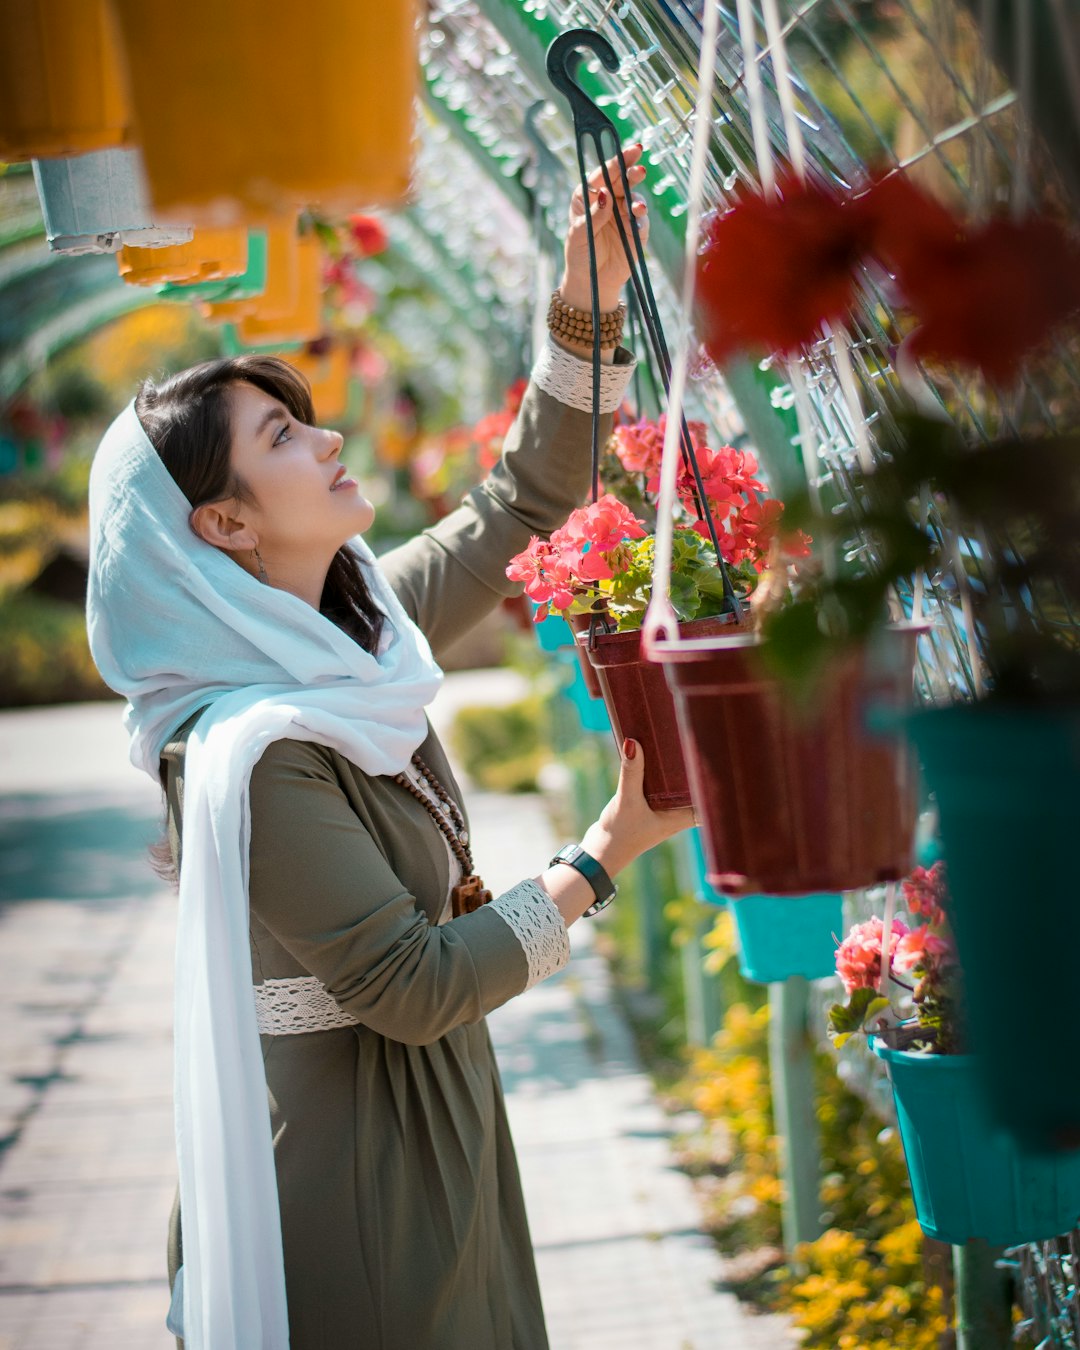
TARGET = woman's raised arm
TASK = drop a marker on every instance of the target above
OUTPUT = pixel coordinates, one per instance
(453, 574)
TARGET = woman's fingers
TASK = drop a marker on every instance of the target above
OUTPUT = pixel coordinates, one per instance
(635, 173)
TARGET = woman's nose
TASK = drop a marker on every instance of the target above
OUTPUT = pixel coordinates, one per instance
(334, 441)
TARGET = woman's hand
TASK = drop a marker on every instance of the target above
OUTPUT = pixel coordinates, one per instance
(613, 270)
(627, 828)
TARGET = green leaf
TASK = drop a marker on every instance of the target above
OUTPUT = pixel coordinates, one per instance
(845, 1019)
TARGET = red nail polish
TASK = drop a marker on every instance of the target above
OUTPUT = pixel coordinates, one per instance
(601, 198)
(629, 748)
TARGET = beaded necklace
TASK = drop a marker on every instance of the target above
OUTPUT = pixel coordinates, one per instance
(470, 892)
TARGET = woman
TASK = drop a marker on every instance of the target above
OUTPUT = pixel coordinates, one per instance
(277, 678)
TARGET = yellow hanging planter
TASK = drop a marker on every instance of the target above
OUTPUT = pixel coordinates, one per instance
(328, 374)
(290, 308)
(210, 256)
(279, 294)
(301, 320)
(63, 88)
(258, 104)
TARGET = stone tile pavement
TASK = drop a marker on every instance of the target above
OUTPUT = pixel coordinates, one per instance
(86, 1154)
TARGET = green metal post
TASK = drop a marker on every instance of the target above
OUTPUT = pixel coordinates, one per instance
(701, 990)
(651, 897)
(983, 1298)
(791, 1070)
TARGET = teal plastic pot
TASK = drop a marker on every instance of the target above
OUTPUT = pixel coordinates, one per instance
(970, 1179)
(590, 711)
(1007, 782)
(781, 936)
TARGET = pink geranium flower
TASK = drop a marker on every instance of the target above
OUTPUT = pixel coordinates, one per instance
(926, 891)
(858, 957)
(546, 575)
(923, 949)
(640, 445)
(587, 549)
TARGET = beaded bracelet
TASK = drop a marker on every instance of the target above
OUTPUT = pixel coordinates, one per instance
(576, 325)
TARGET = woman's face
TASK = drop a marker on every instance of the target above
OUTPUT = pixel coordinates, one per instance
(303, 503)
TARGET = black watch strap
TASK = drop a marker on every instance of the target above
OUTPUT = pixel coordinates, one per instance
(603, 887)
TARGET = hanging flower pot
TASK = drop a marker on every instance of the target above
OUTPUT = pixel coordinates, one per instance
(211, 255)
(968, 1179)
(327, 371)
(226, 146)
(794, 801)
(291, 308)
(62, 85)
(94, 203)
(245, 285)
(782, 936)
(1007, 783)
(641, 707)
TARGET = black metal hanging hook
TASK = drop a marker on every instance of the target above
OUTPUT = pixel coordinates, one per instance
(563, 59)
(590, 122)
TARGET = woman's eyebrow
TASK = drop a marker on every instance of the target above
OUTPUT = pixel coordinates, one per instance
(273, 414)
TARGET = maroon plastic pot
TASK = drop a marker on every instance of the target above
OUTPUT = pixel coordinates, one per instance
(794, 801)
(641, 707)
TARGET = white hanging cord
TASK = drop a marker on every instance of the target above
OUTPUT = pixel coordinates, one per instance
(845, 370)
(919, 390)
(886, 934)
(784, 86)
(1023, 36)
(755, 97)
(660, 620)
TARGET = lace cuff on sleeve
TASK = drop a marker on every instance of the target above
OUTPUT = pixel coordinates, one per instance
(569, 379)
(537, 925)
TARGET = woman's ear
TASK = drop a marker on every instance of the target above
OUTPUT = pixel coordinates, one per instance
(218, 524)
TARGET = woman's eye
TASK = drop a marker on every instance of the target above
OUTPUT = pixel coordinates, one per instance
(282, 434)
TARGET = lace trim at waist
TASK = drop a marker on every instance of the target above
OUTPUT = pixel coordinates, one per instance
(294, 1006)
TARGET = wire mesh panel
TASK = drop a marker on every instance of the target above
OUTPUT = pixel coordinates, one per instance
(960, 98)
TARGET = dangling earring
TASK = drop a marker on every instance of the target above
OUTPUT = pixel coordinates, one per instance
(261, 566)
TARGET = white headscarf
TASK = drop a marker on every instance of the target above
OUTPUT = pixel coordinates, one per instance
(174, 625)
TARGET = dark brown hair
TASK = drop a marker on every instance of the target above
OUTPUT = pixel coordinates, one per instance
(186, 418)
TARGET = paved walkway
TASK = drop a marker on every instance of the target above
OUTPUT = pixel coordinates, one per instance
(86, 1153)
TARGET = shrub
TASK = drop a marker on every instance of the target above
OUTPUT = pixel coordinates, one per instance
(44, 656)
(501, 748)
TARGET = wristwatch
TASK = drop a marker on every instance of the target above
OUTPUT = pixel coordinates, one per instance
(604, 888)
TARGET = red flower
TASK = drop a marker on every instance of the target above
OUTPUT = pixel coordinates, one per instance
(368, 234)
(996, 296)
(773, 271)
(985, 296)
(905, 225)
(514, 395)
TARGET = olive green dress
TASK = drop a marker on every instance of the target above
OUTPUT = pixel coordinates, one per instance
(401, 1208)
